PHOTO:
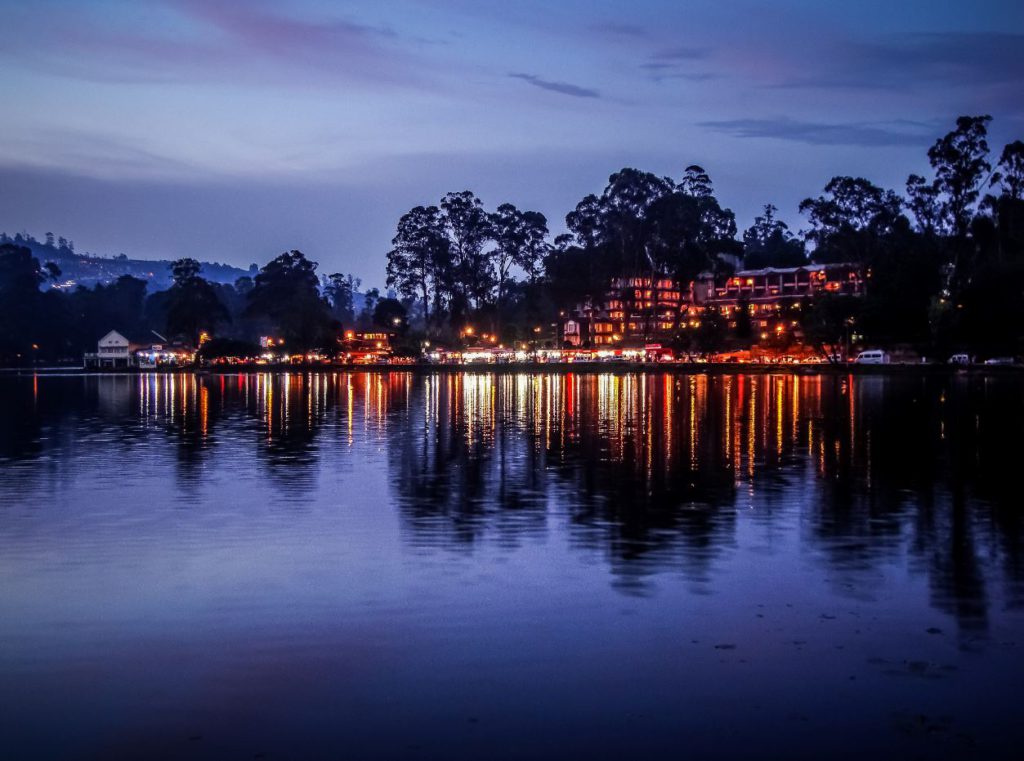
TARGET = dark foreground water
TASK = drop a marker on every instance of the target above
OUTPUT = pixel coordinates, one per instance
(511, 566)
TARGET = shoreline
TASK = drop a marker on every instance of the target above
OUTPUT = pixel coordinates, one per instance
(679, 368)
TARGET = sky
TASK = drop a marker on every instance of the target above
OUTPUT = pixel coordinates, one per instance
(233, 130)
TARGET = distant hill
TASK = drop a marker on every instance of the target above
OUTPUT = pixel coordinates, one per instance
(89, 269)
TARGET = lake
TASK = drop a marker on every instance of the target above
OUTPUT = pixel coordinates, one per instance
(483, 566)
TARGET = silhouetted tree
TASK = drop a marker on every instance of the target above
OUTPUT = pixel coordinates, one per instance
(192, 302)
(340, 290)
(521, 240)
(768, 243)
(419, 255)
(287, 293)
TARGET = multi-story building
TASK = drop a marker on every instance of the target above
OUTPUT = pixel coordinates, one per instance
(638, 311)
(773, 285)
(633, 310)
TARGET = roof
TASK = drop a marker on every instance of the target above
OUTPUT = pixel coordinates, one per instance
(113, 335)
(791, 270)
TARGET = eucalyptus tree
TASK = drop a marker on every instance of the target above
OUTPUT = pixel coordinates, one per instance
(340, 290)
(470, 277)
(850, 219)
(769, 243)
(520, 239)
(287, 292)
(192, 302)
(960, 161)
(924, 201)
(419, 259)
(1010, 172)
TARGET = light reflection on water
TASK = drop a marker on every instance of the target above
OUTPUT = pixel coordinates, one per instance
(466, 565)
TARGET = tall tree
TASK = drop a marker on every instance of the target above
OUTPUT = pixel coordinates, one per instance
(769, 243)
(960, 161)
(287, 292)
(925, 203)
(340, 291)
(1011, 170)
(850, 219)
(192, 302)
(420, 253)
(520, 240)
(25, 318)
(471, 278)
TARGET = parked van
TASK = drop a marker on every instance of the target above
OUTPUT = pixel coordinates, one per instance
(872, 357)
(960, 359)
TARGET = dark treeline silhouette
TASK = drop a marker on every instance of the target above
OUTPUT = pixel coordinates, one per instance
(943, 266)
(286, 299)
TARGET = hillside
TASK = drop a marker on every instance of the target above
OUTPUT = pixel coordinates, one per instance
(89, 269)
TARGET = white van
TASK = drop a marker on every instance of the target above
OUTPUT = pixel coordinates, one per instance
(872, 357)
(960, 359)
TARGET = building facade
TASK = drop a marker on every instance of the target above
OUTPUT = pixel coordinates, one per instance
(112, 351)
(644, 311)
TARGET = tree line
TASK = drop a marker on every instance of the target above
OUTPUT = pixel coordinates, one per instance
(286, 300)
(943, 264)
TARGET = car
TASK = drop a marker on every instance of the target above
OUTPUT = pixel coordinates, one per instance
(960, 359)
(872, 357)
(1000, 361)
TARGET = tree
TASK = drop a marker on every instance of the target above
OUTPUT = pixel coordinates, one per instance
(390, 314)
(828, 322)
(521, 240)
(470, 277)
(340, 290)
(1011, 171)
(24, 318)
(696, 182)
(370, 299)
(420, 253)
(768, 243)
(287, 292)
(850, 219)
(711, 331)
(960, 161)
(925, 204)
(192, 302)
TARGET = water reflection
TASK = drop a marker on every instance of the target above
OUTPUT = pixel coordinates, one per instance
(652, 473)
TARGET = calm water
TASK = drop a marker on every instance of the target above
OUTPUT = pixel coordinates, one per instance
(510, 566)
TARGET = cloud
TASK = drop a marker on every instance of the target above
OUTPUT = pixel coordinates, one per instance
(674, 62)
(681, 53)
(218, 40)
(620, 29)
(963, 59)
(564, 88)
(864, 134)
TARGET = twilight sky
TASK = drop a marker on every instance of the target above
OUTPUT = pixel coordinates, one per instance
(232, 130)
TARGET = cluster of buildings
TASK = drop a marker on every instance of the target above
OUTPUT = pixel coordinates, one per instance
(633, 319)
(644, 311)
(114, 351)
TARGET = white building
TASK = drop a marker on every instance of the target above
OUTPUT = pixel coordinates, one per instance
(113, 350)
